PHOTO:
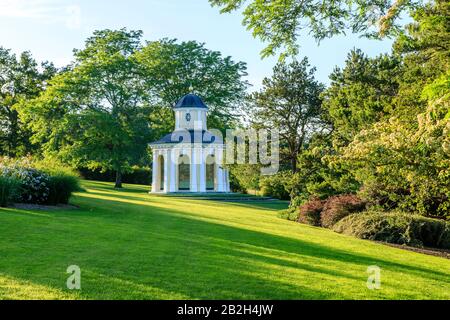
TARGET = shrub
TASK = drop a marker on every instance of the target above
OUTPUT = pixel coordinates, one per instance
(288, 214)
(275, 186)
(61, 187)
(137, 175)
(338, 207)
(309, 212)
(398, 228)
(40, 182)
(34, 185)
(9, 188)
(63, 181)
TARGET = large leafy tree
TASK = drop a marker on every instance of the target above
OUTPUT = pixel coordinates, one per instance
(282, 22)
(21, 78)
(425, 51)
(290, 102)
(95, 113)
(173, 69)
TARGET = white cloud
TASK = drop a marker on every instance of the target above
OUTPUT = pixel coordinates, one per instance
(46, 11)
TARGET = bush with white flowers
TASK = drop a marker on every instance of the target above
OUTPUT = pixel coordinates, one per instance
(39, 185)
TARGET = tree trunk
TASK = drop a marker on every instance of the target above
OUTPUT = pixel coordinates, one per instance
(294, 164)
(118, 184)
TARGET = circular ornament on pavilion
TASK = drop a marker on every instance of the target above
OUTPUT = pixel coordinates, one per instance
(188, 117)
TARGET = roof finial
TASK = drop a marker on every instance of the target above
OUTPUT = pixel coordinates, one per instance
(191, 89)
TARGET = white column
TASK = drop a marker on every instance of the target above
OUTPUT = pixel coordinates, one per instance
(194, 162)
(220, 176)
(155, 170)
(202, 165)
(227, 181)
(166, 171)
(172, 170)
(219, 179)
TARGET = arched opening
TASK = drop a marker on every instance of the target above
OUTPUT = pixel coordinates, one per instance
(184, 173)
(161, 173)
(210, 172)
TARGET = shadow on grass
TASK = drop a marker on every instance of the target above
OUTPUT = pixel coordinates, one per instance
(272, 205)
(137, 251)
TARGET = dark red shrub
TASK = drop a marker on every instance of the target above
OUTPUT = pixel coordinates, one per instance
(309, 212)
(340, 206)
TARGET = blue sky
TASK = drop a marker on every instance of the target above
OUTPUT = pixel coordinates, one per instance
(50, 29)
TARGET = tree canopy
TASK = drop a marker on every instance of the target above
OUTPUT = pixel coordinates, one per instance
(290, 102)
(21, 78)
(281, 23)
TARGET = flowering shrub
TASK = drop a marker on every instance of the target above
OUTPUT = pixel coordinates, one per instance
(36, 184)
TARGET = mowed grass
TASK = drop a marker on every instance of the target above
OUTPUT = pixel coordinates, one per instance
(131, 245)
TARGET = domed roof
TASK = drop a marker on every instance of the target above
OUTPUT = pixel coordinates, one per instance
(190, 101)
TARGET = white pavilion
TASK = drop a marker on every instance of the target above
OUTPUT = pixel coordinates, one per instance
(190, 158)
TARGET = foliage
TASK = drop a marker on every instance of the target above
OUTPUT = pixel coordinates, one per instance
(9, 188)
(40, 182)
(425, 50)
(281, 23)
(318, 175)
(101, 112)
(389, 118)
(397, 227)
(34, 185)
(136, 175)
(338, 207)
(276, 185)
(93, 114)
(61, 187)
(360, 94)
(309, 212)
(21, 78)
(171, 69)
(404, 167)
(288, 214)
(289, 102)
(246, 176)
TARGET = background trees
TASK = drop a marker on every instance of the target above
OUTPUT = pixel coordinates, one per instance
(21, 78)
(96, 107)
(104, 108)
(172, 69)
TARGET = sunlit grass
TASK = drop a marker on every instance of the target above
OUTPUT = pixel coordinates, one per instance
(131, 245)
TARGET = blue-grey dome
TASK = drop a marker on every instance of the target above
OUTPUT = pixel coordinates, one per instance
(190, 101)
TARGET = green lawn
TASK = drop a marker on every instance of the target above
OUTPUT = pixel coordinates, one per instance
(131, 245)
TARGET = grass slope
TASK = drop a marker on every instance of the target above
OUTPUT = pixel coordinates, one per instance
(130, 245)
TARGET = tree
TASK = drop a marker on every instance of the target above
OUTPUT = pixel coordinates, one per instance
(20, 79)
(173, 69)
(95, 113)
(290, 101)
(281, 22)
(407, 166)
(424, 48)
(360, 94)
(403, 159)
